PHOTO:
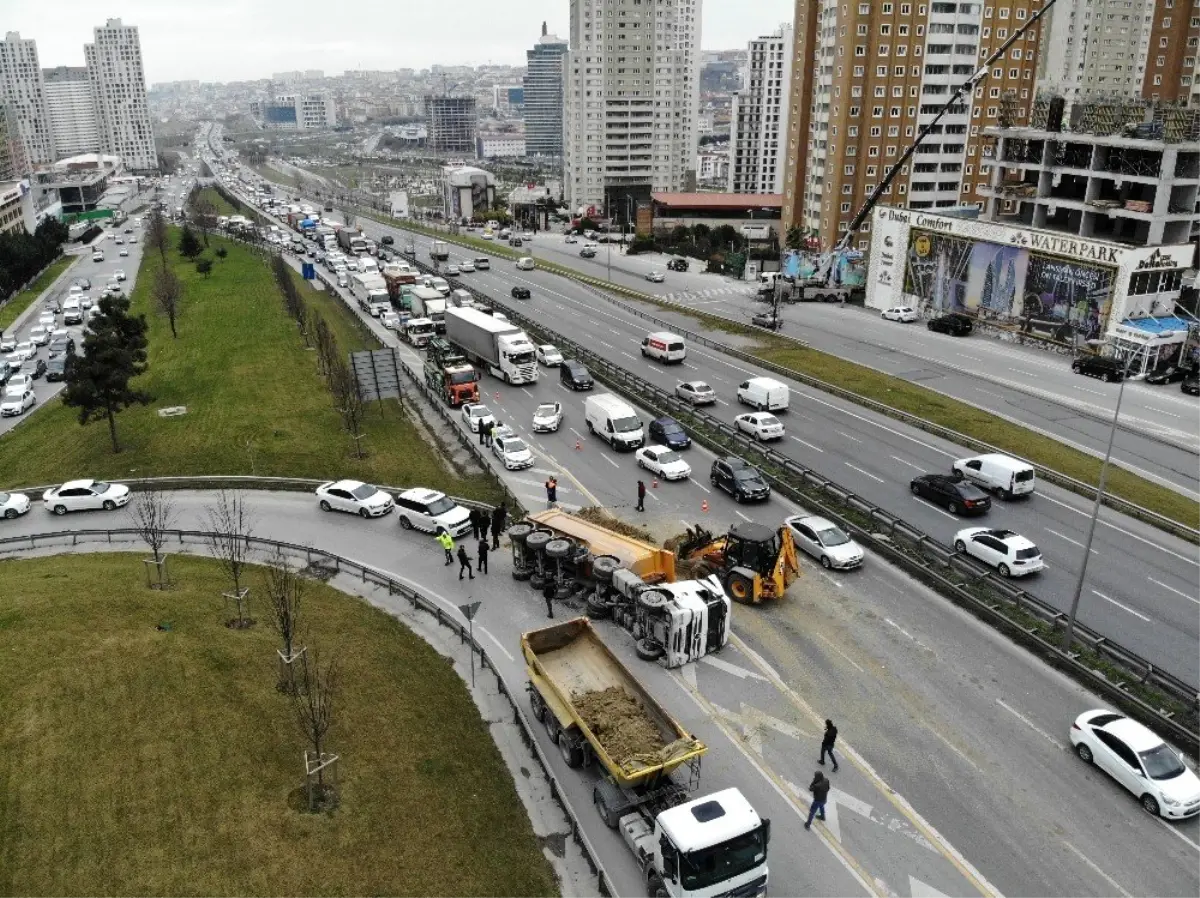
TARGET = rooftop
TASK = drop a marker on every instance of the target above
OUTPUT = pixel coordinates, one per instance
(730, 201)
(1158, 326)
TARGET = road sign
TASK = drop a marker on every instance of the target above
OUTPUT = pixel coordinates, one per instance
(469, 610)
(307, 271)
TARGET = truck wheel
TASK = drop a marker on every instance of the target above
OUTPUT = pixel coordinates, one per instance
(609, 817)
(740, 588)
(596, 609)
(570, 750)
(604, 566)
(647, 650)
(537, 705)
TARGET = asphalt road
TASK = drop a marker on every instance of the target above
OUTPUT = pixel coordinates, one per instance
(1159, 436)
(956, 776)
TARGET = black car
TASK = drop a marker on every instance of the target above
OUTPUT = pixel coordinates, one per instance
(670, 433)
(677, 264)
(82, 283)
(740, 479)
(35, 368)
(587, 253)
(1191, 384)
(61, 346)
(387, 239)
(956, 496)
(329, 208)
(955, 324)
(516, 242)
(520, 293)
(769, 320)
(1169, 375)
(1099, 366)
(575, 375)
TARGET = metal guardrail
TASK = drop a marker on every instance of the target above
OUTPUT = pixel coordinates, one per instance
(378, 578)
(938, 565)
(605, 289)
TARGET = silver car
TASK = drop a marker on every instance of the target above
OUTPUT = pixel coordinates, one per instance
(825, 541)
(697, 392)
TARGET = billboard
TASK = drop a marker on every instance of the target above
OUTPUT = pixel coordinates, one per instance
(1011, 285)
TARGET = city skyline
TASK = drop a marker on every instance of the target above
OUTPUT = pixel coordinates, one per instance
(199, 44)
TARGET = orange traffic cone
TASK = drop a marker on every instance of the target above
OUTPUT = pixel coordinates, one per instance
(704, 505)
(496, 395)
(578, 445)
(654, 484)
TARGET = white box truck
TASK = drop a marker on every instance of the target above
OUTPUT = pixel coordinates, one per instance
(497, 346)
(371, 292)
(429, 303)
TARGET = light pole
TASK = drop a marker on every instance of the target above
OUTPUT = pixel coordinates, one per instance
(1087, 544)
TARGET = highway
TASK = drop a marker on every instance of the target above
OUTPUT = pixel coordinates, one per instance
(1159, 436)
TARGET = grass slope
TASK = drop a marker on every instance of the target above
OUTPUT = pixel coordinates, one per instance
(256, 404)
(21, 301)
(223, 206)
(143, 762)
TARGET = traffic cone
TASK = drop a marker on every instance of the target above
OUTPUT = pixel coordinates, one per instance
(704, 505)
(654, 484)
(496, 395)
(578, 445)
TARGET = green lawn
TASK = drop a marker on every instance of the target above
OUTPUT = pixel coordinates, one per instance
(223, 206)
(142, 762)
(256, 404)
(21, 301)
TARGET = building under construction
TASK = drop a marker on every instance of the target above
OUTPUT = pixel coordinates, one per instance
(450, 123)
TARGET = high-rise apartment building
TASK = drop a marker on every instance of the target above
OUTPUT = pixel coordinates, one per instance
(632, 91)
(71, 110)
(114, 63)
(874, 73)
(450, 123)
(21, 89)
(759, 118)
(544, 96)
(13, 163)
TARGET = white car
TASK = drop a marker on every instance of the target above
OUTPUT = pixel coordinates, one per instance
(46, 320)
(13, 505)
(19, 404)
(697, 392)
(39, 336)
(18, 384)
(571, 238)
(123, 252)
(133, 238)
(665, 463)
(431, 511)
(1011, 554)
(547, 417)
(549, 355)
(390, 320)
(656, 277)
(512, 452)
(760, 425)
(502, 430)
(825, 541)
(8, 344)
(23, 353)
(119, 274)
(97, 256)
(1139, 760)
(85, 495)
(453, 271)
(465, 266)
(476, 414)
(900, 313)
(354, 496)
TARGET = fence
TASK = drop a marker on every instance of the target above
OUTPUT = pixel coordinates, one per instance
(374, 577)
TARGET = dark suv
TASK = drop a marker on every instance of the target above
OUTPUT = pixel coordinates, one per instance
(1099, 366)
(677, 264)
(575, 375)
(955, 324)
(740, 479)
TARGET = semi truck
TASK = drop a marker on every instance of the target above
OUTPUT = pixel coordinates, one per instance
(428, 303)
(418, 332)
(449, 374)
(500, 348)
(371, 292)
(591, 706)
(439, 251)
(351, 241)
(396, 281)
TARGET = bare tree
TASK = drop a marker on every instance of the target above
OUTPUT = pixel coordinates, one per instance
(153, 513)
(348, 396)
(327, 348)
(230, 531)
(285, 591)
(204, 216)
(167, 291)
(156, 233)
(314, 703)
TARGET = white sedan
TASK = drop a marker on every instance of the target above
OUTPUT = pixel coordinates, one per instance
(549, 356)
(13, 505)
(18, 384)
(355, 497)
(17, 404)
(85, 495)
(465, 266)
(47, 320)
(476, 414)
(390, 320)
(124, 252)
(760, 425)
(119, 274)
(666, 463)
(1011, 554)
(547, 417)
(512, 451)
(825, 541)
(1139, 760)
(23, 353)
(453, 271)
(39, 336)
(656, 277)
(900, 313)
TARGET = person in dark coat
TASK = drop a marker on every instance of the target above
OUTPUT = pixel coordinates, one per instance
(484, 548)
(820, 792)
(491, 425)
(641, 506)
(464, 562)
(551, 491)
(499, 519)
(483, 432)
(548, 595)
(827, 744)
(475, 523)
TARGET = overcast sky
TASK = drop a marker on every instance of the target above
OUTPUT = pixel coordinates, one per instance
(237, 40)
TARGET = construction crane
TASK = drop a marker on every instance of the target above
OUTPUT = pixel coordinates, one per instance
(842, 258)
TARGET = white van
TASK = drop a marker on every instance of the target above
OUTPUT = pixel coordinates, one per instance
(614, 421)
(525, 263)
(72, 311)
(764, 394)
(998, 473)
(664, 346)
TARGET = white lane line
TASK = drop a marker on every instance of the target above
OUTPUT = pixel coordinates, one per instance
(1073, 542)
(1141, 539)
(809, 445)
(487, 633)
(526, 392)
(849, 660)
(1112, 882)
(576, 432)
(990, 393)
(847, 436)
(613, 329)
(1123, 607)
(628, 355)
(954, 748)
(890, 430)
(864, 473)
(699, 484)
(906, 462)
(740, 515)
(722, 401)
(940, 511)
(602, 343)
(973, 358)
(1174, 590)
(650, 493)
(1171, 828)
(1159, 411)
(1029, 723)
(610, 461)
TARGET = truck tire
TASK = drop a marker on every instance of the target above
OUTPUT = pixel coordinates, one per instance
(559, 548)
(596, 609)
(652, 599)
(518, 532)
(537, 704)
(604, 566)
(609, 817)
(571, 751)
(538, 539)
(647, 650)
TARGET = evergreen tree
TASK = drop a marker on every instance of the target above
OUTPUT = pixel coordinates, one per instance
(189, 246)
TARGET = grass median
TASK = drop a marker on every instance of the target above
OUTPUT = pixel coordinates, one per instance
(219, 203)
(255, 401)
(164, 762)
(23, 300)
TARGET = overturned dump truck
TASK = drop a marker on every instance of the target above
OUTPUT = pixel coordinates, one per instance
(596, 711)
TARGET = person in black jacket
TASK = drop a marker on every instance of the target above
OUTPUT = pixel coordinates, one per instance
(464, 562)
(820, 792)
(483, 554)
(641, 494)
(499, 519)
(475, 512)
(827, 744)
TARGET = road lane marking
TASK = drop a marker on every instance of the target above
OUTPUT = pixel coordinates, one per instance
(1029, 723)
(1172, 829)
(1083, 857)
(610, 461)
(890, 430)
(1141, 539)
(734, 670)
(906, 462)
(628, 355)
(809, 445)
(1120, 605)
(699, 484)
(847, 436)
(1073, 542)
(954, 748)
(1174, 590)
(864, 473)
(848, 659)
(740, 515)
